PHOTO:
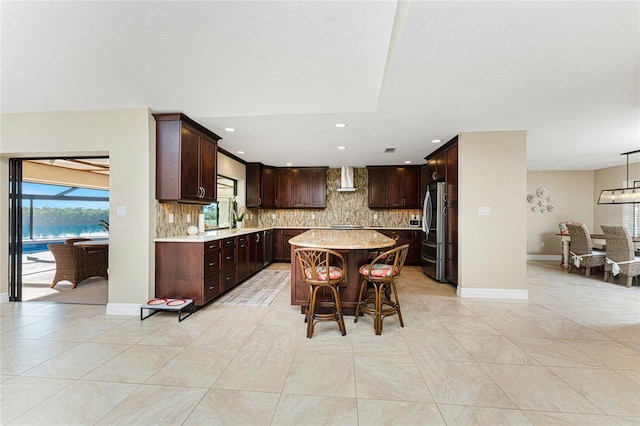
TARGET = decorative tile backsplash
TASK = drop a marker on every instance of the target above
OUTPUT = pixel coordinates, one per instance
(343, 208)
(179, 225)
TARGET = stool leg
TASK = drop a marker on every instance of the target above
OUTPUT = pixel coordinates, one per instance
(339, 316)
(363, 284)
(306, 312)
(312, 311)
(395, 294)
(378, 309)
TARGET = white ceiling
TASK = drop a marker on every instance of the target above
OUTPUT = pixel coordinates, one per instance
(398, 73)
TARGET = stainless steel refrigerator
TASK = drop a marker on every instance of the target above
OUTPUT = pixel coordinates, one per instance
(432, 248)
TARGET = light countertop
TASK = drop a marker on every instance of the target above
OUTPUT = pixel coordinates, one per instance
(219, 234)
(342, 239)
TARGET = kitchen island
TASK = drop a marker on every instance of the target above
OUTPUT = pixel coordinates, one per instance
(353, 244)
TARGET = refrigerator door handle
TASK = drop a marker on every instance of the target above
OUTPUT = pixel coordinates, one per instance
(426, 213)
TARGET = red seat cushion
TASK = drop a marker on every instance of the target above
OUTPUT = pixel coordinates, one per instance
(334, 273)
(379, 270)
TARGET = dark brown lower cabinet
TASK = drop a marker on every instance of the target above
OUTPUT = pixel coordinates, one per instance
(229, 261)
(198, 271)
(188, 270)
(281, 246)
(406, 236)
(242, 263)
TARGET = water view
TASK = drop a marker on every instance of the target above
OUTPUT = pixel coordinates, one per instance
(51, 231)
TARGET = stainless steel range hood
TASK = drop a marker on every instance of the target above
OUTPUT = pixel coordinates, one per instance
(346, 179)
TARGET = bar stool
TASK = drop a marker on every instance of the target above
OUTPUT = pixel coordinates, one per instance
(319, 273)
(382, 276)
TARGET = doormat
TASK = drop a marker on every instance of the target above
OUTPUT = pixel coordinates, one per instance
(259, 290)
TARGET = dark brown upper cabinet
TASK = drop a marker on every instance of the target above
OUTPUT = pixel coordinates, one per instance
(394, 187)
(268, 185)
(186, 154)
(436, 167)
(286, 187)
(304, 187)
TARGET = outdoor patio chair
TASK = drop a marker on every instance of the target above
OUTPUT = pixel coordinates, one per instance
(75, 264)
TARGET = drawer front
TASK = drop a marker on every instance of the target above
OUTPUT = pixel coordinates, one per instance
(227, 242)
(212, 262)
(211, 286)
(211, 246)
(228, 256)
(228, 279)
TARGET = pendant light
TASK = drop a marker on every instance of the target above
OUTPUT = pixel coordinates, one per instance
(621, 195)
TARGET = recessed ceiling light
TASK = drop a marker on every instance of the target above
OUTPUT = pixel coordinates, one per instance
(407, 162)
(289, 164)
(240, 152)
(342, 147)
(229, 129)
(340, 125)
(436, 141)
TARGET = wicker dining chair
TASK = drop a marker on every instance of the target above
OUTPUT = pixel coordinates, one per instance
(582, 251)
(75, 264)
(621, 258)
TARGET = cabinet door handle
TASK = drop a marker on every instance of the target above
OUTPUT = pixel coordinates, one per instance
(211, 264)
(229, 257)
(434, 175)
(228, 279)
(211, 288)
(444, 211)
(257, 238)
(259, 201)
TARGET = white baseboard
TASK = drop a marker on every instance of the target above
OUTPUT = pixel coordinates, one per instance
(4, 297)
(493, 293)
(556, 257)
(123, 308)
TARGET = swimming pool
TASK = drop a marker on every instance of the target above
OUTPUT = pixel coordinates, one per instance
(36, 246)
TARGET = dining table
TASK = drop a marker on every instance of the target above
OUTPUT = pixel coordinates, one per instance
(597, 240)
(93, 244)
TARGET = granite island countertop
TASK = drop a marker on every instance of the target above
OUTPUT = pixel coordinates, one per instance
(342, 239)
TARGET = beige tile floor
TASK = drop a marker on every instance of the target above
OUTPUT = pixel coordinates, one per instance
(568, 355)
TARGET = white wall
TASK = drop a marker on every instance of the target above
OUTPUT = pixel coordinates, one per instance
(492, 249)
(127, 136)
(575, 197)
(572, 199)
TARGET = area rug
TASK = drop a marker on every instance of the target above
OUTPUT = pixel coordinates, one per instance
(94, 291)
(259, 290)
